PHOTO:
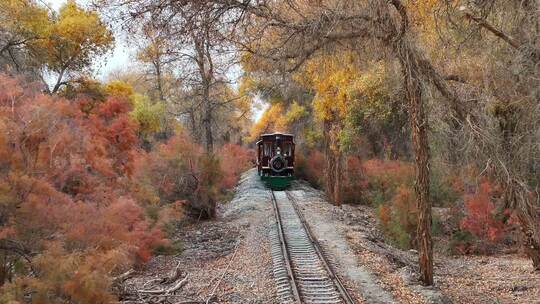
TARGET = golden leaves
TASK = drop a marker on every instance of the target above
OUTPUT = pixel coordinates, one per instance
(334, 78)
(69, 39)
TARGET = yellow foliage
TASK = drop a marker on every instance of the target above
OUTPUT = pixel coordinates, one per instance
(119, 88)
(147, 114)
(333, 78)
(24, 18)
(295, 113)
(72, 39)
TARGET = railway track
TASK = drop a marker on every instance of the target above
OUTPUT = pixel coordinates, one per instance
(301, 271)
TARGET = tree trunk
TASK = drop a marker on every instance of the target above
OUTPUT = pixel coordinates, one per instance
(330, 162)
(207, 120)
(524, 210)
(338, 178)
(531, 242)
(334, 163)
(419, 127)
(159, 80)
(203, 60)
(517, 193)
(209, 180)
(58, 81)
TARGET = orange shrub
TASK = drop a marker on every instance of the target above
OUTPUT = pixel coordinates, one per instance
(384, 177)
(234, 159)
(169, 173)
(355, 183)
(389, 173)
(178, 170)
(480, 218)
(311, 168)
(481, 222)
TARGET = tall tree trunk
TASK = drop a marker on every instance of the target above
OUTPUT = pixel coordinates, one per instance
(207, 122)
(419, 127)
(518, 199)
(330, 162)
(203, 60)
(516, 193)
(410, 62)
(159, 80)
(338, 178)
(209, 179)
(531, 241)
(334, 163)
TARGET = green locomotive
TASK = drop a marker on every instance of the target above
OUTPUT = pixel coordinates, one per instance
(275, 159)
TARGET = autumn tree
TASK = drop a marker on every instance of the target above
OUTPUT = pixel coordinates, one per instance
(333, 82)
(22, 24)
(189, 36)
(77, 36)
(158, 53)
(58, 45)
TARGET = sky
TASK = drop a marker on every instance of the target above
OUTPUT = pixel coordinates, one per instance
(119, 58)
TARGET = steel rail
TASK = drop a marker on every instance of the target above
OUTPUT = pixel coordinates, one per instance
(301, 270)
(335, 279)
(285, 251)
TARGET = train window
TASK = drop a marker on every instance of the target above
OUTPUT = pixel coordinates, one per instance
(288, 149)
(267, 149)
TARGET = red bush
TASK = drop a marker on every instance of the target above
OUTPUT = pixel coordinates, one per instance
(389, 173)
(355, 183)
(480, 219)
(169, 173)
(384, 177)
(234, 160)
(64, 195)
(179, 170)
(311, 168)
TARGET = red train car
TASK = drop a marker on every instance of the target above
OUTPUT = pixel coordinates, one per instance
(275, 159)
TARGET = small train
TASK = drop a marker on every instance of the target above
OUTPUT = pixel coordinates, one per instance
(275, 159)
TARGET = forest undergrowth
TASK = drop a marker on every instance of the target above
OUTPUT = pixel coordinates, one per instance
(82, 202)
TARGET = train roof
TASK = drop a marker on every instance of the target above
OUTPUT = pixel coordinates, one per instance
(276, 133)
(272, 135)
